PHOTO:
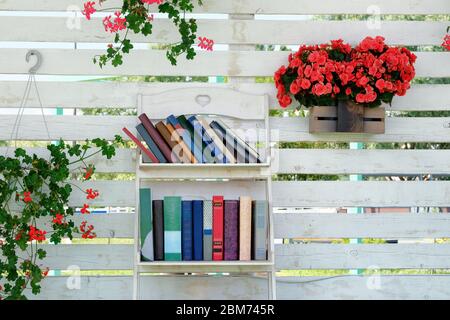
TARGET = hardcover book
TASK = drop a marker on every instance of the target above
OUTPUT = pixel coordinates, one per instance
(150, 143)
(187, 138)
(180, 144)
(238, 151)
(172, 228)
(158, 229)
(176, 156)
(217, 203)
(260, 229)
(145, 224)
(207, 230)
(231, 230)
(156, 137)
(217, 141)
(146, 151)
(210, 145)
(245, 228)
(197, 209)
(186, 230)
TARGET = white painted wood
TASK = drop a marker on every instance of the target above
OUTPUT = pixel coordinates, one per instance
(263, 6)
(107, 94)
(327, 161)
(283, 129)
(238, 63)
(205, 266)
(357, 256)
(42, 29)
(213, 101)
(367, 225)
(188, 288)
(112, 193)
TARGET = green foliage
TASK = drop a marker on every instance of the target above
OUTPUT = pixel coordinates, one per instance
(34, 204)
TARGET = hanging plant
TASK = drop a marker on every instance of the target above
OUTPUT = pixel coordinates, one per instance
(137, 16)
(34, 208)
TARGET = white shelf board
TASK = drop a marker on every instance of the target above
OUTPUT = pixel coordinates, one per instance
(205, 266)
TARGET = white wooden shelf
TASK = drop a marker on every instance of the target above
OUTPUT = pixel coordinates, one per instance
(205, 266)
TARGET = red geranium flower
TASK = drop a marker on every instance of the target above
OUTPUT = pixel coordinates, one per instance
(88, 173)
(92, 194)
(206, 43)
(87, 231)
(446, 43)
(85, 210)
(58, 219)
(88, 9)
(27, 197)
(36, 234)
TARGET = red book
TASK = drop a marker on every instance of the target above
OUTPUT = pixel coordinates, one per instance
(217, 228)
(156, 136)
(141, 146)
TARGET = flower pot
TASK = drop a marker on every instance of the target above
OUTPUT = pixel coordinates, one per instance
(347, 117)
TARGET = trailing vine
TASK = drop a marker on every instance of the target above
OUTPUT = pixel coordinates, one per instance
(35, 208)
(137, 16)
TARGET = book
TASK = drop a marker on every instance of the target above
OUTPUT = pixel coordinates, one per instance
(186, 230)
(186, 136)
(260, 228)
(158, 229)
(207, 230)
(211, 147)
(156, 137)
(217, 249)
(176, 156)
(236, 149)
(172, 228)
(245, 228)
(231, 230)
(197, 212)
(180, 144)
(150, 143)
(145, 224)
(198, 141)
(217, 141)
(146, 151)
(254, 156)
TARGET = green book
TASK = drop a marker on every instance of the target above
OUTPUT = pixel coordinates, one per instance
(198, 141)
(172, 228)
(146, 224)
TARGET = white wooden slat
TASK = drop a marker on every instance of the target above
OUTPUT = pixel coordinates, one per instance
(187, 288)
(123, 94)
(382, 256)
(263, 6)
(367, 225)
(228, 31)
(238, 63)
(283, 129)
(290, 193)
(326, 161)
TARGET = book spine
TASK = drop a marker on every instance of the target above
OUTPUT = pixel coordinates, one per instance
(197, 208)
(198, 128)
(146, 151)
(186, 136)
(150, 143)
(181, 147)
(217, 141)
(176, 157)
(231, 230)
(245, 228)
(172, 228)
(217, 203)
(154, 134)
(238, 152)
(260, 229)
(158, 229)
(206, 156)
(207, 230)
(186, 231)
(145, 224)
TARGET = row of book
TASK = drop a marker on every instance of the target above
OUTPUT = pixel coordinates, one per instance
(173, 229)
(191, 140)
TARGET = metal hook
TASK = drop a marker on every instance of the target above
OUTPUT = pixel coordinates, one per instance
(38, 64)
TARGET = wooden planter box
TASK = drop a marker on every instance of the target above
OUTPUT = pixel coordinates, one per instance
(347, 117)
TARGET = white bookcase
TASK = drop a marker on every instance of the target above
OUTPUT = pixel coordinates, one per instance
(201, 181)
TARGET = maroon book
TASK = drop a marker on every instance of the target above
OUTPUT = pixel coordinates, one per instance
(156, 136)
(231, 230)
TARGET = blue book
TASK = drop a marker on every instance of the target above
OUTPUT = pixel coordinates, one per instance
(210, 145)
(186, 230)
(197, 208)
(150, 143)
(186, 138)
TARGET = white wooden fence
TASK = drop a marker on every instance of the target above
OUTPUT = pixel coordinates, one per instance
(315, 194)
